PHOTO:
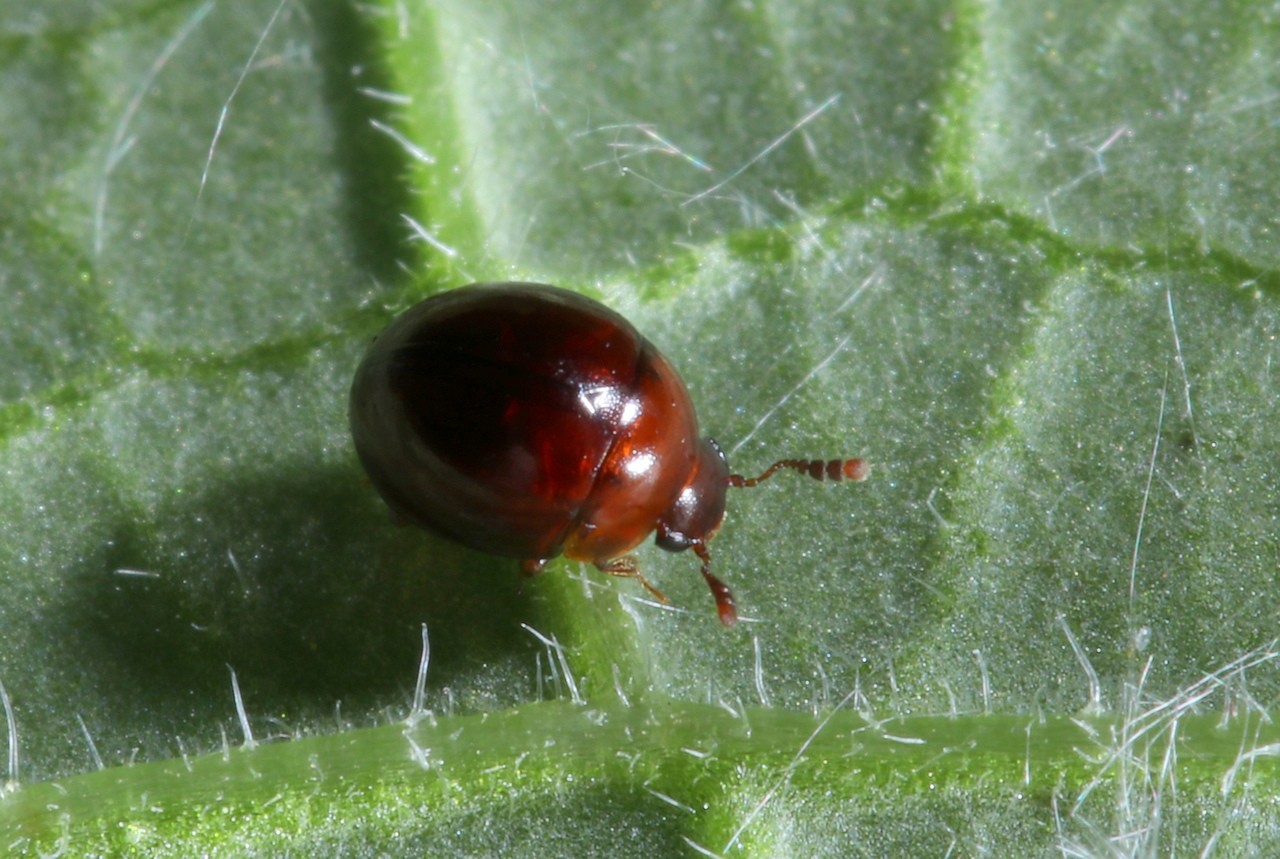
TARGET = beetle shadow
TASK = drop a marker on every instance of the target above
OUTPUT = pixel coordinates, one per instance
(300, 581)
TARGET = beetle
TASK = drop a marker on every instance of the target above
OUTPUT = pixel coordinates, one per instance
(530, 421)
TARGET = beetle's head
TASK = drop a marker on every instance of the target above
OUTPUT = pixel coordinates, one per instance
(699, 508)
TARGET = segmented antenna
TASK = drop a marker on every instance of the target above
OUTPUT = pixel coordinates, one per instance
(818, 469)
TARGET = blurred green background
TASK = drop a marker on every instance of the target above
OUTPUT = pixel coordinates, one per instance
(1021, 256)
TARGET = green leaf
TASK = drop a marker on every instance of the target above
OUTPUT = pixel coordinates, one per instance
(1020, 257)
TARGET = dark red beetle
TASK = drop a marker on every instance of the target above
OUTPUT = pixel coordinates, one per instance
(529, 421)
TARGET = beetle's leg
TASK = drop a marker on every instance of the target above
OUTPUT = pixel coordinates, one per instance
(725, 606)
(531, 567)
(627, 568)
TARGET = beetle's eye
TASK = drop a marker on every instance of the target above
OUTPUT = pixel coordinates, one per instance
(672, 541)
